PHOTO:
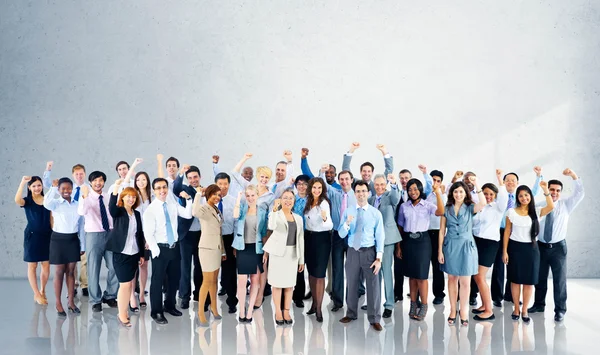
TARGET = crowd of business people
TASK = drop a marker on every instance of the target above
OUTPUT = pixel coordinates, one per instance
(260, 238)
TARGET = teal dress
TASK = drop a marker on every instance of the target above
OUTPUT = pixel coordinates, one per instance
(460, 252)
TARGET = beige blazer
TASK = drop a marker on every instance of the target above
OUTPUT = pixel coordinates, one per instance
(210, 221)
(276, 244)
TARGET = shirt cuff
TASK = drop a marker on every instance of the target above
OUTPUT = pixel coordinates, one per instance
(387, 156)
(346, 226)
(379, 255)
(349, 154)
(155, 250)
(394, 186)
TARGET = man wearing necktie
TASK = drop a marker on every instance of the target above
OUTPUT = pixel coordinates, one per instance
(160, 224)
(363, 225)
(93, 206)
(284, 171)
(553, 246)
(386, 202)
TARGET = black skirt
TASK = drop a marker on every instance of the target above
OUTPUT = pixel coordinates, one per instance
(125, 266)
(317, 247)
(486, 251)
(523, 263)
(248, 261)
(64, 248)
(416, 256)
(36, 245)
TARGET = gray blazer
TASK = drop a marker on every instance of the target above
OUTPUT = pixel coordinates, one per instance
(389, 168)
(387, 206)
(276, 244)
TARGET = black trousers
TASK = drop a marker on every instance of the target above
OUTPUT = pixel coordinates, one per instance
(168, 263)
(189, 254)
(398, 275)
(553, 256)
(229, 272)
(438, 275)
(300, 288)
(497, 282)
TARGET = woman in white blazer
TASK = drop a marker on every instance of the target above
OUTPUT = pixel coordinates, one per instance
(285, 249)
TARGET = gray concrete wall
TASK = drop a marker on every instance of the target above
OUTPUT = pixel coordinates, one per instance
(469, 85)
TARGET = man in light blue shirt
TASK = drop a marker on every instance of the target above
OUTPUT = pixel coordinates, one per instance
(329, 174)
(363, 225)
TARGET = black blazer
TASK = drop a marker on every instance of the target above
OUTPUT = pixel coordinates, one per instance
(183, 224)
(118, 235)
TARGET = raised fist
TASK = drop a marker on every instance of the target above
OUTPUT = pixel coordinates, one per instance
(184, 195)
(247, 156)
(354, 146)
(537, 170)
(215, 159)
(276, 204)
(382, 148)
(26, 178)
(423, 168)
(159, 157)
(304, 153)
(49, 165)
(349, 219)
(458, 175)
(118, 182)
(567, 172)
(84, 191)
(185, 168)
(288, 155)
(499, 173)
(544, 185)
(55, 183)
(323, 214)
(324, 168)
(391, 179)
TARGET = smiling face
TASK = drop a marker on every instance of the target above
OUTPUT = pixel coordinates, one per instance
(366, 173)
(36, 188)
(317, 190)
(362, 193)
(490, 195)
(248, 173)
(459, 194)
(511, 182)
(287, 200)
(193, 179)
(437, 182)
(78, 176)
(65, 189)
(404, 177)
(263, 179)
(524, 198)
(223, 184)
(97, 185)
(280, 171)
(215, 198)
(129, 200)
(122, 170)
(413, 192)
(251, 197)
(172, 168)
(345, 181)
(141, 182)
(161, 190)
(330, 175)
(468, 182)
(555, 191)
(380, 185)
(301, 186)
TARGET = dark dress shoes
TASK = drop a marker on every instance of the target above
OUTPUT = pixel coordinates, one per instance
(97, 307)
(223, 292)
(559, 316)
(299, 304)
(111, 303)
(438, 300)
(84, 292)
(159, 318)
(481, 319)
(536, 309)
(74, 310)
(174, 312)
(472, 301)
(185, 304)
(232, 310)
(336, 308)
(377, 326)
(308, 296)
(363, 307)
(347, 319)
(387, 313)
(398, 299)
(497, 303)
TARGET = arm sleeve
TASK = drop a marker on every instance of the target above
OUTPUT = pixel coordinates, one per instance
(428, 184)
(185, 212)
(394, 195)
(47, 179)
(536, 185)
(576, 197)
(502, 199)
(178, 185)
(379, 235)
(346, 162)
(82, 206)
(216, 169)
(240, 179)
(50, 202)
(305, 168)
(388, 161)
(343, 228)
(149, 227)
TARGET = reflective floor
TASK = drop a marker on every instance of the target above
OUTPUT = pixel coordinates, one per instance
(27, 328)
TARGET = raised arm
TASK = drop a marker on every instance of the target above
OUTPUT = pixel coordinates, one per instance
(131, 172)
(46, 179)
(388, 160)
(549, 203)
(535, 189)
(394, 194)
(482, 202)
(289, 171)
(19, 196)
(235, 173)
(237, 207)
(428, 188)
(240, 164)
(178, 182)
(578, 192)
(502, 197)
(439, 202)
(50, 202)
(185, 211)
(215, 162)
(348, 156)
(83, 206)
(161, 168)
(304, 164)
(113, 209)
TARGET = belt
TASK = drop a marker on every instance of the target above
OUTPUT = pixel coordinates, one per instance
(416, 235)
(552, 245)
(166, 245)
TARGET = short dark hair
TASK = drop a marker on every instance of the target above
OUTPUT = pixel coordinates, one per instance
(419, 184)
(96, 174)
(490, 186)
(331, 166)
(221, 176)
(159, 180)
(515, 174)
(346, 172)
(359, 183)
(404, 171)
(193, 169)
(64, 180)
(302, 177)
(367, 164)
(78, 166)
(121, 163)
(555, 182)
(172, 159)
(437, 173)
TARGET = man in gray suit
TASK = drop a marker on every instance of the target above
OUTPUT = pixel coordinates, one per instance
(386, 202)
(366, 168)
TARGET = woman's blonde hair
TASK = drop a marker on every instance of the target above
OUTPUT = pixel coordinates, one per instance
(251, 187)
(264, 170)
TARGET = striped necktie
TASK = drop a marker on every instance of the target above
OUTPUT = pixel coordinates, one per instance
(103, 214)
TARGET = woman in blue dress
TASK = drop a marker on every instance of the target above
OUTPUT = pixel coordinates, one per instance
(458, 255)
(37, 235)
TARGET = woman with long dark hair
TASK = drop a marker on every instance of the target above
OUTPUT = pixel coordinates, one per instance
(317, 239)
(413, 223)
(520, 249)
(142, 186)
(458, 254)
(37, 234)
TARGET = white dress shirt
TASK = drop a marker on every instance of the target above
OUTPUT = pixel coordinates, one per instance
(228, 221)
(155, 224)
(521, 225)
(486, 223)
(131, 247)
(314, 221)
(66, 218)
(561, 212)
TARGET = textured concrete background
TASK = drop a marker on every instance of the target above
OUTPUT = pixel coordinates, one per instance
(465, 85)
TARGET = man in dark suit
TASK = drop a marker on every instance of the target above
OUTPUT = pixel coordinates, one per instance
(188, 231)
(386, 202)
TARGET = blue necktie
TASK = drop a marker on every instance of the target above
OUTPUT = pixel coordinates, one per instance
(274, 188)
(548, 227)
(220, 206)
(511, 202)
(377, 202)
(103, 214)
(358, 230)
(76, 197)
(170, 235)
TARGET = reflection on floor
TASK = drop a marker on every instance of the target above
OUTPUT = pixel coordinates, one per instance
(31, 329)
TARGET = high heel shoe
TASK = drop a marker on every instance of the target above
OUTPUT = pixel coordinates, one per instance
(452, 321)
(311, 311)
(526, 320)
(464, 322)
(216, 316)
(242, 320)
(320, 318)
(515, 317)
(287, 321)
(125, 324)
(134, 309)
(61, 314)
(74, 310)
(279, 322)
